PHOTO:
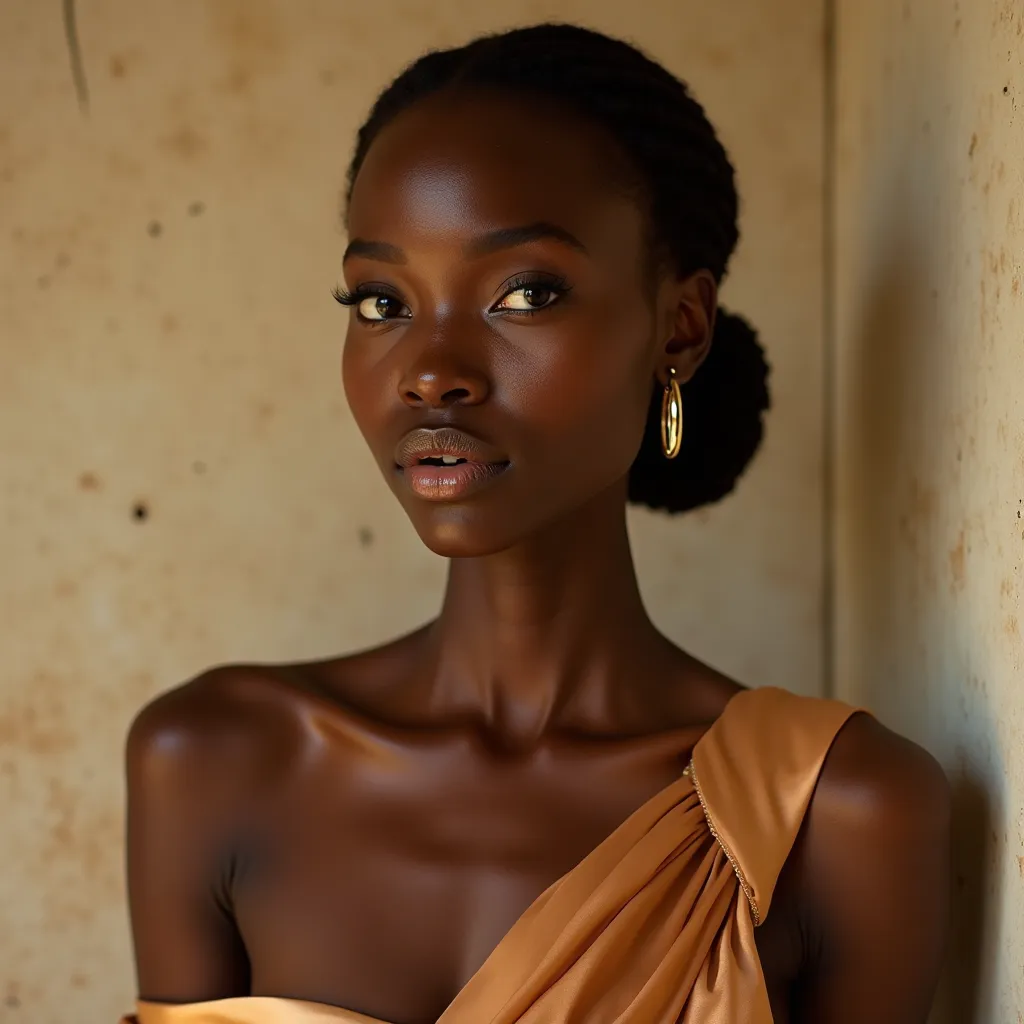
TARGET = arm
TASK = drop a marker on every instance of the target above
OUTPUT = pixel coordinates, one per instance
(876, 857)
(187, 948)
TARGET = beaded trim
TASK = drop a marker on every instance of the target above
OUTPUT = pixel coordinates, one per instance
(744, 885)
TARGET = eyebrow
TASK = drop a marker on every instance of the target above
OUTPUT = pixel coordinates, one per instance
(493, 241)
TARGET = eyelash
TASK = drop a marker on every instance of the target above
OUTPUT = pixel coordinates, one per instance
(550, 282)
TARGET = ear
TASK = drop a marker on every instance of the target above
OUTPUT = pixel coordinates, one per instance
(688, 307)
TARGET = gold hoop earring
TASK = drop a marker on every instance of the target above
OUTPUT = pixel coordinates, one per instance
(671, 416)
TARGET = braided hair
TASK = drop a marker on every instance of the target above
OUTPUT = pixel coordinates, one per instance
(689, 186)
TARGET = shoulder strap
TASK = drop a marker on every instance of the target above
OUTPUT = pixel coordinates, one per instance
(755, 771)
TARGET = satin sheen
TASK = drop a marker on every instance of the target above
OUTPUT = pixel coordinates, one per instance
(656, 925)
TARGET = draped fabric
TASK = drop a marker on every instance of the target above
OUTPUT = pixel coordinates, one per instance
(655, 925)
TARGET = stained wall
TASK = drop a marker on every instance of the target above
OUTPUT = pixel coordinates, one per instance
(180, 482)
(930, 478)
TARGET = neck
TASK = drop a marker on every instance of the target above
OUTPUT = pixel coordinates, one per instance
(552, 629)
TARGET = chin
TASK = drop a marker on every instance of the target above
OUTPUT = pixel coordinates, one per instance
(460, 531)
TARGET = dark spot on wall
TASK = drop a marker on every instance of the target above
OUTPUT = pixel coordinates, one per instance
(168, 323)
(1006, 90)
(365, 536)
(89, 481)
(1011, 627)
(265, 410)
(199, 468)
(65, 589)
(140, 511)
(237, 81)
(957, 563)
(43, 282)
(63, 260)
(328, 77)
(196, 209)
(974, 144)
(79, 981)
(718, 57)
(185, 143)
(117, 66)
(155, 229)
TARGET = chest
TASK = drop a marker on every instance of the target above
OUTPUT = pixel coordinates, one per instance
(385, 898)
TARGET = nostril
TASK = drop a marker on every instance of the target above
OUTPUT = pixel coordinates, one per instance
(454, 396)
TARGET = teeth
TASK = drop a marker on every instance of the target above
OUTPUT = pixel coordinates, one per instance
(449, 460)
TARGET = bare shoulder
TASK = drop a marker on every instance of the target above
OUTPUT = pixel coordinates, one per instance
(230, 704)
(880, 785)
(873, 866)
(244, 724)
(204, 743)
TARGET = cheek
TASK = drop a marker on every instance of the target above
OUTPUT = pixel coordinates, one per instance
(365, 386)
(585, 398)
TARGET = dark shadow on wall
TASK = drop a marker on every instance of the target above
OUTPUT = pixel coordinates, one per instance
(961, 996)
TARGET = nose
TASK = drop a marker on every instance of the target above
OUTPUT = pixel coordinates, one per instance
(438, 379)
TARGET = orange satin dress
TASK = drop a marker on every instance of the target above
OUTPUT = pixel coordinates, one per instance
(654, 926)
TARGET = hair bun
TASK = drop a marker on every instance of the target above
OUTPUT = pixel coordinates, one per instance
(723, 423)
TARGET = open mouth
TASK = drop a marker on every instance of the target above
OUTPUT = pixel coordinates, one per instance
(446, 464)
(442, 460)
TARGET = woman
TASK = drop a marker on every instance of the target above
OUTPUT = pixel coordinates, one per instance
(535, 808)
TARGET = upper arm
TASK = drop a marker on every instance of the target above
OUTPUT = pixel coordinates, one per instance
(187, 948)
(876, 853)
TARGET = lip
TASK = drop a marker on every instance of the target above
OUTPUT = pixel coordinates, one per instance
(437, 482)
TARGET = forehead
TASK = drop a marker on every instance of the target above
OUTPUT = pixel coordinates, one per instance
(456, 164)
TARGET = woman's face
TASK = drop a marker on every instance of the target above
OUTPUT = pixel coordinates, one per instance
(504, 341)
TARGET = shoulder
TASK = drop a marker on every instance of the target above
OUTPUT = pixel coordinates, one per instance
(215, 738)
(248, 726)
(878, 785)
(869, 876)
(227, 704)
(874, 852)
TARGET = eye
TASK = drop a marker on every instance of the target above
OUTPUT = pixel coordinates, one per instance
(372, 305)
(379, 307)
(531, 296)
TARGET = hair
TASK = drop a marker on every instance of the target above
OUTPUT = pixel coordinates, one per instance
(690, 191)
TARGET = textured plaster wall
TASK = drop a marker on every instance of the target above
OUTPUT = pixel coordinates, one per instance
(930, 495)
(180, 483)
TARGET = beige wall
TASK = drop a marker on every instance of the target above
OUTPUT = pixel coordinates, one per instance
(930, 476)
(182, 358)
